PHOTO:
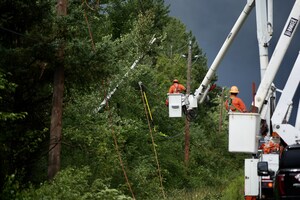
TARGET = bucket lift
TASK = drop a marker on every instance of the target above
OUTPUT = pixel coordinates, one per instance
(263, 92)
(244, 128)
(289, 134)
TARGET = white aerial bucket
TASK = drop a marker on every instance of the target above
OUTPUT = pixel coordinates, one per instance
(175, 105)
(244, 132)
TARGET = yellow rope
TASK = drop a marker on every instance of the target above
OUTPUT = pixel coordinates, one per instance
(144, 98)
(150, 114)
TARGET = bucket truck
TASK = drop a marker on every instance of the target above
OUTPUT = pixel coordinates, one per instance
(244, 128)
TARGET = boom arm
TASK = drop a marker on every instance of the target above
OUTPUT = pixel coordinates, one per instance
(279, 52)
(201, 92)
(264, 21)
(286, 131)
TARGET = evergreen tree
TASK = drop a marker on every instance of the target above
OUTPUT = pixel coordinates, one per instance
(101, 41)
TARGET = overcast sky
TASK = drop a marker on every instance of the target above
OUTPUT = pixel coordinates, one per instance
(210, 22)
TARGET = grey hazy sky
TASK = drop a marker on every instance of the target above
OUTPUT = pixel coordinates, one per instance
(211, 21)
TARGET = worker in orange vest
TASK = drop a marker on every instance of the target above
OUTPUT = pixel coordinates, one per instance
(234, 103)
(176, 87)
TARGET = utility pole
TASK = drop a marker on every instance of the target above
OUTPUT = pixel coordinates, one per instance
(57, 103)
(188, 89)
(221, 111)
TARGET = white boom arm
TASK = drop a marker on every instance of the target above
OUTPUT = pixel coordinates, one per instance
(201, 92)
(287, 132)
(264, 24)
(279, 52)
(297, 124)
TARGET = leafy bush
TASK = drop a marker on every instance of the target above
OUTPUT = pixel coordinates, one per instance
(71, 184)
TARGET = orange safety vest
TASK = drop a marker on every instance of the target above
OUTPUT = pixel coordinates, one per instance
(235, 104)
(176, 88)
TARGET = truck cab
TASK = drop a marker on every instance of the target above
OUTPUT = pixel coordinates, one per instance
(287, 178)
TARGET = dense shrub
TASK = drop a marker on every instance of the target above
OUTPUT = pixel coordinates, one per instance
(73, 184)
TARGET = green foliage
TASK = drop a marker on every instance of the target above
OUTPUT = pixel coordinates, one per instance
(101, 42)
(72, 184)
(10, 188)
(122, 14)
(235, 190)
(91, 137)
(6, 90)
(204, 193)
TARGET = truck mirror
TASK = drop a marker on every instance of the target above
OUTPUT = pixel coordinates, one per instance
(263, 168)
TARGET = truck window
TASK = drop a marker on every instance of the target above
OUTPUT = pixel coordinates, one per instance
(290, 159)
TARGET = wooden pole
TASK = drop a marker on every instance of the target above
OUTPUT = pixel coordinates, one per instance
(187, 123)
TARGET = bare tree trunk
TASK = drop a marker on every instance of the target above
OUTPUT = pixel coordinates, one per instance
(57, 105)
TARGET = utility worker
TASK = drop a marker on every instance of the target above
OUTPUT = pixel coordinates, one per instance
(176, 87)
(234, 103)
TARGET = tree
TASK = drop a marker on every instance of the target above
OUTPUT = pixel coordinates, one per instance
(100, 41)
(25, 85)
(57, 109)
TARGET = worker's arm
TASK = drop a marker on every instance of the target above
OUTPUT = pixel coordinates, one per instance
(182, 88)
(242, 106)
(171, 89)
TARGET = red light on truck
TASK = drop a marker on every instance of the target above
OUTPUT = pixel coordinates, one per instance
(280, 179)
